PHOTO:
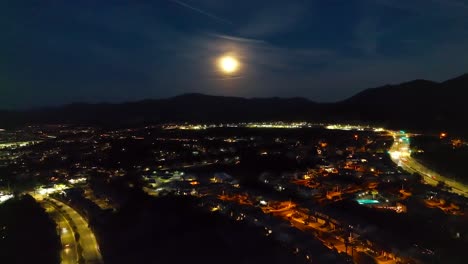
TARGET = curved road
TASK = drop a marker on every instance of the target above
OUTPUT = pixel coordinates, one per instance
(69, 254)
(67, 218)
(401, 155)
(87, 241)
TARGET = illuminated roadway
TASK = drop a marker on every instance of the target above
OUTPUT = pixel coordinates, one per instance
(69, 254)
(331, 240)
(66, 217)
(88, 242)
(400, 153)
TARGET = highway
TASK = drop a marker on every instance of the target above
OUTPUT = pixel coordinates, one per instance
(88, 242)
(400, 153)
(69, 254)
(66, 217)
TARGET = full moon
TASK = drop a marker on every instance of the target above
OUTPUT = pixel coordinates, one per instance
(228, 64)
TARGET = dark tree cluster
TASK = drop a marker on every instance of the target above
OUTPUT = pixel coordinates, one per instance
(27, 234)
(175, 230)
(417, 229)
(442, 156)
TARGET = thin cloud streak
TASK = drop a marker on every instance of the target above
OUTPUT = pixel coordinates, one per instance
(228, 78)
(240, 39)
(200, 11)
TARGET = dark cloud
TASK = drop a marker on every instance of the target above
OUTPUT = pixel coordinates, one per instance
(58, 52)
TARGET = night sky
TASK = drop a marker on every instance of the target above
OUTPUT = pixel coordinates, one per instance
(54, 52)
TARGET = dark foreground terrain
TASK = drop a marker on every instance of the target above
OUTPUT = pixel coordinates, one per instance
(27, 234)
(174, 230)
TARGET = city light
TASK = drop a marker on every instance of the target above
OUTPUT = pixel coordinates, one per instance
(395, 154)
(78, 180)
(204, 131)
(191, 160)
(5, 197)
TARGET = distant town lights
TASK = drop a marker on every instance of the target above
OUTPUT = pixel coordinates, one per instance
(5, 197)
